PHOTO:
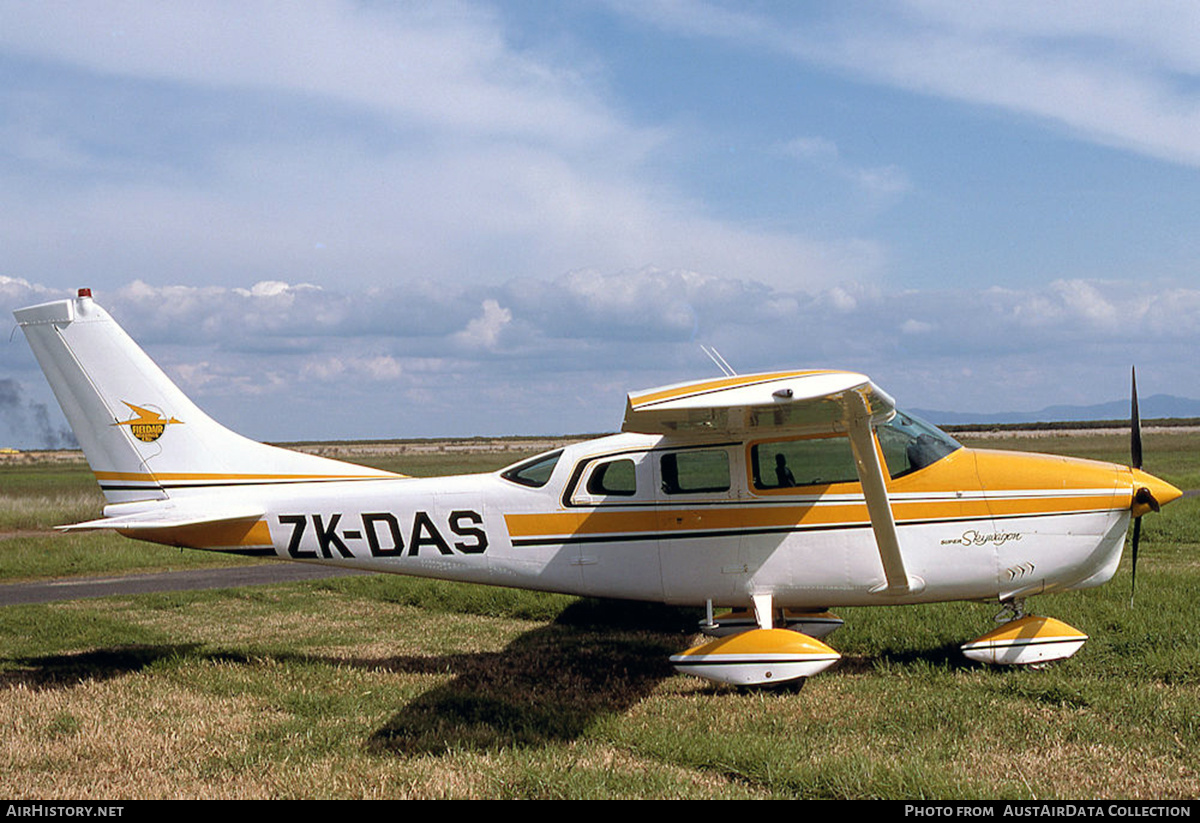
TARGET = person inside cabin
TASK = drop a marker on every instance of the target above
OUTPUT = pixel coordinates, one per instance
(783, 475)
(670, 474)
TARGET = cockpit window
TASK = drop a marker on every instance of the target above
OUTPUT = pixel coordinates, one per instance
(910, 443)
(534, 473)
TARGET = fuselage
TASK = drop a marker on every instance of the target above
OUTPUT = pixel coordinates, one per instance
(649, 518)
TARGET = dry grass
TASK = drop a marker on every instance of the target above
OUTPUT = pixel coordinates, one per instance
(44, 511)
(133, 736)
(331, 694)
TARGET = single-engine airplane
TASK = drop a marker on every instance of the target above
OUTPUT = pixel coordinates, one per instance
(777, 496)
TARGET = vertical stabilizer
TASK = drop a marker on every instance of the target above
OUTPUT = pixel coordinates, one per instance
(142, 436)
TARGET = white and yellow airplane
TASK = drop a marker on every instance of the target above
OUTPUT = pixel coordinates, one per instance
(775, 495)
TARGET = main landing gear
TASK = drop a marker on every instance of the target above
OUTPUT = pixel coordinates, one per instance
(749, 651)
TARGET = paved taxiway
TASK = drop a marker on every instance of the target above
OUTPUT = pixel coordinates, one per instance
(77, 588)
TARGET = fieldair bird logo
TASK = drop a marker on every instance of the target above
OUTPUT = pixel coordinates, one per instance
(147, 425)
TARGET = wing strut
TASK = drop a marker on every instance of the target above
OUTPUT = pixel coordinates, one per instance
(870, 475)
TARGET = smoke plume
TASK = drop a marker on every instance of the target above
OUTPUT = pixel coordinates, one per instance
(30, 421)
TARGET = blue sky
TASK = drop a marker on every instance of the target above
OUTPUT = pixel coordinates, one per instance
(341, 219)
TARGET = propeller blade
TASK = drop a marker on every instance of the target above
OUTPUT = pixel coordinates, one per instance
(1137, 533)
(1135, 425)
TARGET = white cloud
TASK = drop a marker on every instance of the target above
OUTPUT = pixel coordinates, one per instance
(648, 308)
(813, 149)
(1117, 73)
(441, 66)
(335, 368)
(338, 142)
(484, 332)
(17, 292)
(883, 183)
(275, 288)
(588, 337)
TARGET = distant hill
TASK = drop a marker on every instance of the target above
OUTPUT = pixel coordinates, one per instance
(1156, 406)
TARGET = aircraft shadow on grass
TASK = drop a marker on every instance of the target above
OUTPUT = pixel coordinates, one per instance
(60, 671)
(948, 657)
(599, 658)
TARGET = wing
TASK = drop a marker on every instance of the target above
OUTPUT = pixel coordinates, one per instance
(799, 402)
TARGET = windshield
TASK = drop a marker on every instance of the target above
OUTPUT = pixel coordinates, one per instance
(909, 444)
(535, 472)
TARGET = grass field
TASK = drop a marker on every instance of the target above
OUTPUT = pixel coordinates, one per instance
(393, 687)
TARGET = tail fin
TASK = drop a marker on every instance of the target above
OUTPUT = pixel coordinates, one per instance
(144, 439)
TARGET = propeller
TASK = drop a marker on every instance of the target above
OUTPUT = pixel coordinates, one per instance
(1143, 495)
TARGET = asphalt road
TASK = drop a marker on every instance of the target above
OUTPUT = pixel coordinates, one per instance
(78, 588)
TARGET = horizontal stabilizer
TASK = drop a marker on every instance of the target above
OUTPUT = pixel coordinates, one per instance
(231, 527)
(168, 517)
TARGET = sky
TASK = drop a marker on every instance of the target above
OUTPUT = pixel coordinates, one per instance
(338, 220)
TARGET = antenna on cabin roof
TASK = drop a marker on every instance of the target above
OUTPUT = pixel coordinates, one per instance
(716, 357)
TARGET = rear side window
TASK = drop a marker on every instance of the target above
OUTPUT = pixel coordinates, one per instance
(692, 472)
(820, 461)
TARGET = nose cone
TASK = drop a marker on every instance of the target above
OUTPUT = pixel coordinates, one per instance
(1151, 493)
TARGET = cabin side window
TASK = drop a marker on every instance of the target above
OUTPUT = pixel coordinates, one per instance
(819, 461)
(615, 477)
(694, 472)
(611, 480)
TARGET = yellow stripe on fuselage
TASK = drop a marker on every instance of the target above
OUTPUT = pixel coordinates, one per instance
(228, 535)
(814, 515)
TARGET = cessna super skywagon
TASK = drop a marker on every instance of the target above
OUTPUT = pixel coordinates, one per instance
(766, 499)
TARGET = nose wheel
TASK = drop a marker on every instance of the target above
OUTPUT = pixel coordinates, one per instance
(1010, 610)
(1024, 639)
